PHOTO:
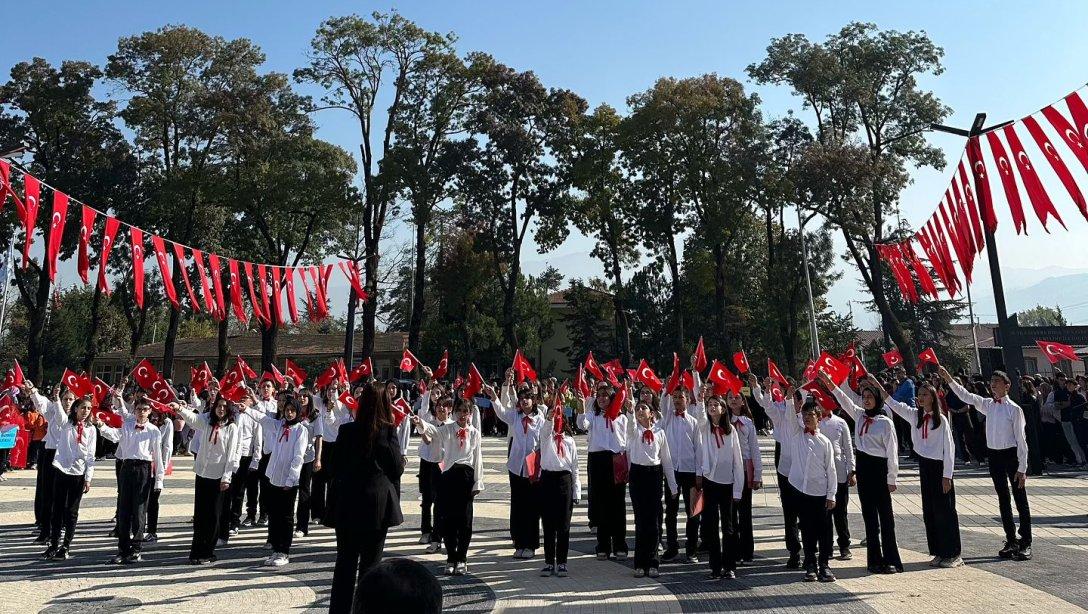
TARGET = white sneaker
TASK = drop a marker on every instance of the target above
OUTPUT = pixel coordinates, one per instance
(460, 569)
(425, 539)
(268, 561)
(299, 534)
(519, 554)
(529, 553)
(434, 547)
(950, 563)
(280, 560)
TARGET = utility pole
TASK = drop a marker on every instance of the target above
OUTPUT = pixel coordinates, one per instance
(813, 332)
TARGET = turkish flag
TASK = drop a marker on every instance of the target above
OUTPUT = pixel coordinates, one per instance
(164, 269)
(836, 370)
(580, 382)
(262, 287)
(927, 356)
(234, 393)
(688, 380)
(351, 271)
(1055, 351)
(183, 267)
(982, 183)
(775, 373)
(700, 356)
(523, 368)
(1056, 162)
(215, 271)
(234, 377)
(1073, 139)
(892, 358)
(1040, 200)
(56, 231)
(408, 361)
(850, 357)
(85, 228)
(136, 237)
(920, 271)
(674, 378)
(458, 381)
(144, 374)
(245, 368)
(295, 372)
(723, 379)
(363, 369)
(79, 384)
(401, 410)
(616, 406)
(160, 391)
(1008, 182)
(443, 365)
(289, 283)
(972, 208)
(475, 382)
(254, 304)
(776, 392)
(277, 286)
(740, 361)
(235, 290)
(593, 367)
(822, 397)
(341, 371)
(161, 407)
(273, 376)
(810, 370)
(109, 418)
(647, 376)
(17, 375)
(5, 186)
(109, 235)
(31, 199)
(327, 377)
(101, 391)
(198, 379)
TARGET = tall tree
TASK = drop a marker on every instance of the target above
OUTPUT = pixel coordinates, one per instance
(862, 86)
(75, 147)
(357, 61)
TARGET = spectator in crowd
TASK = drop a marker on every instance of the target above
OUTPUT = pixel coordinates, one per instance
(1032, 422)
(400, 585)
(904, 393)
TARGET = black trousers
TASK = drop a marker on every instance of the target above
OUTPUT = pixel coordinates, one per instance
(34, 452)
(281, 512)
(356, 552)
(815, 530)
(876, 511)
(43, 490)
(788, 493)
(207, 512)
(323, 497)
(556, 506)
(239, 483)
(262, 497)
(646, 491)
(609, 504)
(939, 510)
(839, 514)
(742, 524)
(153, 510)
(305, 485)
(253, 491)
(430, 476)
(684, 481)
(524, 513)
(457, 498)
(719, 533)
(1003, 466)
(67, 493)
(133, 488)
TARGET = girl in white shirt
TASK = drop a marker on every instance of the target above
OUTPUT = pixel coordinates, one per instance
(308, 419)
(648, 453)
(740, 417)
(215, 464)
(931, 434)
(430, 473)
(286, 450)
(75, 438)
(524, 424)
(877, 466)
(331, 414)
(607, 440)
(166, 427)
(721, 479)
(560, 489)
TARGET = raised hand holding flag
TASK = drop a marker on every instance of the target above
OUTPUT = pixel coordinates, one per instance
(408, 361)
(593, 367)
(581, 383)
(475, 382)
(674, 379)
(775, 373)
(647, 376)
(928, 356)
(892, 358)
(723, 379)
(295, 372)
(363, 369)
(740, 361)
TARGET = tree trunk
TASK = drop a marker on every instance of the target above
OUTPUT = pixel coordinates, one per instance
(677, 300)
(509, 296)
(718, 251)
(136, 336)
(269, 335)
(36, 315)
(92, 338)
(349, 329)
(168, 343)
(872, 275)
(623, 327)
(415, 323)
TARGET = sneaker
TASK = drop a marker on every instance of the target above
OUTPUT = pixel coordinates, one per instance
(529, 553)
(810, 576)
(602, 556)
(640, 573)
(425, 539)
(460, 569)
(729, 575)
(49, 552)
(299, 534)
(845, 554)
(268, 560)
(621, 555)
(951, 563)
(864, 541)
(561, 571)
(448, 570)
(548, 571)
(692, 558)
(888, 570)
(262, 520)
(1023, 553)
(212, 558)
(248, 522)
(715, 575)
(233, 531)
(61, 554)
(135, 557)
(151, 538)
(219, 543)
(434, 547)
(935, 561)
(825, 575)
(197, 561)
(670, 554)
(117, 559)
(794, 562)
(280, 560)
(654, 572)
(1007, 551)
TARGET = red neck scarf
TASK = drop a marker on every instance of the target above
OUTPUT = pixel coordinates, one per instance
(865, 425)
(719, 435)
(559, 451)
(79, 432)
(462, 436)
(286, 434)
(214, 435)
(648, 437)
(139, 427)
(925, 426)
(737, 424)
(525, 422)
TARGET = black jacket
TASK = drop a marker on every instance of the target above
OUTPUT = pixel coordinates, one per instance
(367, 498)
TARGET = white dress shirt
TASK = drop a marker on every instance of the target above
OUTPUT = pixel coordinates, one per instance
(457, 452)
(722, 459)
(813, 468)
(311, 437)
(551, 460)
(776, 411)
(650, 451)
(929, 442)
(52, 430)
(838, 431)
(749, 447)
(683, 434)
(604, 434)
(873, 436)
(138, 442)
(219, 453)
(330, 419)
(404, 435)
(75, 443)
(166, 447)
(286, 449)
(525, 433)
(1004, 423)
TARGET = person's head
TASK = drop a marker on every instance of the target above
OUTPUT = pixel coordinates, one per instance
(142, 411)
(1028, 386)
(603, 396)
(463, 412)
(930, 404)
(375, 411)
(644, 413)
(680, 398)
(268, 390)
(735, 402)
(80, 410)
(442, 409)
(1059, 377)
(292, 409)
(67, 399)
(398, 585)
(900, 374)
(870, 400)
(220, 412)
(526, 402)
(645, 395)
(999, 384)
(810, 414)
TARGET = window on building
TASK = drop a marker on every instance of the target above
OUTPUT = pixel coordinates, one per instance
(1065, 367)
(1031, 365)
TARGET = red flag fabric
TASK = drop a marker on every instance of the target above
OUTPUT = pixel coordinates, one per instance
(5, 186)
(244, 366)
(723, 379)
(274, 375)
(161, 407)
(144, 374)
(700, 356)
(972, 209)
(594, 368)
(443, 364)
(475, 382)
(947, 229)
(349, 401)
(740, 361)
(198, 379)
(982, 183)
(262, 287)
(234, 393)
(289, 283)
(183, 267)
(351, 271)
(775, 373)
(1056, 162)
(963, 222)
(581, 383)
(523, 368)
(79, 384)
(674, 378)
(687, 379)
(295, 372)
(927, 356)
(136, 239)
(810, 370)
(408, 361)
(254, 304)
(101, 391)
(17, 374)
(164, 269)
(341, 371)
(236, 291)
(109, 235)
(1072, 138)
(850, 357)
(31, 200)
(205, 286)
(363, 369)
(647, 376)
(892, 358)
(616, 406)
(401, 410)
(85, 228)
(56, 231)
(1056, 352)
(215, 271)
(109, 418)
(822, 397)
(836, 370)
(234, 377)
(327, 377)
(920, 270)
(1008, 182)
(941, 245)
(1040, 200)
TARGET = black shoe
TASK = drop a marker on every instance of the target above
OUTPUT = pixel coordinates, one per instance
(135, 557)
(197, 561)
(794, 562)
(117, 559)
(61, 554)
(212, 559)
(888, 570)
(729, 574)
(49, 552)
(810, 576)
(262, 520)
(825, 575)
(1023, 553)
(1008, 550)
(670, 554)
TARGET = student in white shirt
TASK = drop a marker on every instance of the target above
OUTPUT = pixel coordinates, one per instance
(837, 431)
(215, 464)
(462, 476)
(308, 419)
(430, 473)
(524, 425)
(1008, 452)
(877, 465)
(75, 438)
(43, 487)
(166, 427)
(931, 434)
(648, 453)
(286, 449)
(139, 448)
(680, 419)
(402, 426)
(740, 416)
(721, 479)
(607, 440)
(331, 414)
(782, 461)
(560, 489)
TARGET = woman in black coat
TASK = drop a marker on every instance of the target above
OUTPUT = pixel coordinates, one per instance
(368, 465)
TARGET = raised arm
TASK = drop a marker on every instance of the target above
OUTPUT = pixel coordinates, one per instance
(739, 475)
(970, 398)
(666, 465)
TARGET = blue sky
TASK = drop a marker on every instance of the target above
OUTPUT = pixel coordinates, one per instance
(1005, 58)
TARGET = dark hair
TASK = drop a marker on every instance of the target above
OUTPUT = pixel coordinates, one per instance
(374, 413)
(936, 406)
(398, 585)
(72, 411)
(213, 418)
(723, 418)
(1002, 375)
(292, 401)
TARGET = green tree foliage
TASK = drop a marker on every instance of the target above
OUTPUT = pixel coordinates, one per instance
(1040, 315)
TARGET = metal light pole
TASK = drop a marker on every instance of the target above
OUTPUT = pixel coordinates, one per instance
(7, 282)
(808, 284)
